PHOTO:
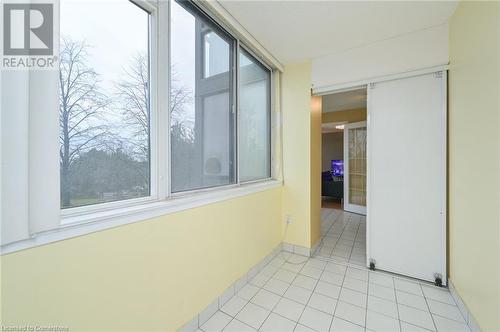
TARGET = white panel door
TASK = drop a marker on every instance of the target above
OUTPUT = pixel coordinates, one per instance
(406, 220)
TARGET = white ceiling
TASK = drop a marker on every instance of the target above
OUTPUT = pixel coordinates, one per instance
(295, 31)
(343, 101)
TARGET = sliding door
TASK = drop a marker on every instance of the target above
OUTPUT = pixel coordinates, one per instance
(406, 225)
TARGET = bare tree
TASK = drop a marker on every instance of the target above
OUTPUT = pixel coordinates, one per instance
(133, 98)
(81, 105)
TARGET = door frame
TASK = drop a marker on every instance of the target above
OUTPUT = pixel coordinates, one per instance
(347, 205)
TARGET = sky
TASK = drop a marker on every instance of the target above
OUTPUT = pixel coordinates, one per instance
(116, 30)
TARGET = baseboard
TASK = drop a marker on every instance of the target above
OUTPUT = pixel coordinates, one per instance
(463, 308)
(212, 308)
(300, 250)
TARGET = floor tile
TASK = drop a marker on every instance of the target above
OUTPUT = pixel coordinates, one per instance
(292, 267)
(382, 292)
(353, 297)
(408, 286)
(322, 303)
(276, 323)
(248, 291)
(441, 295)
(411, 300)
(298, 294)
(355, 284)
(332, 278)
(340, 325)
(316, 263)
(270, 270)
(305, 282)
(328, 289)
(217, 322)
(276, 286)
(253, 315)
(357, 274)
(260, 279)
(448, 325)
(234, 305)
(406, 327)
(445, 310)
(285, 275)
(311, 272)
(351, 313)
(302, 328)
(416, 317)
(381, 323)
(289, 309)
(335, 268)
(265, 299)
(315, 319)
(381, 280)
(382, 306)
(237, 326)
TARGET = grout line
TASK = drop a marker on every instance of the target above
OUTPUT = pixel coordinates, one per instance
(428, 308)
(397, 304)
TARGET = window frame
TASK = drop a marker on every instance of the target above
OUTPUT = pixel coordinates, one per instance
(155, 172)
(160, 163)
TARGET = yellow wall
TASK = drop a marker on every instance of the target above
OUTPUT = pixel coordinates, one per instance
(296, 108)
(474, 159)
(355, 115)
(148, 276)
(316, 168)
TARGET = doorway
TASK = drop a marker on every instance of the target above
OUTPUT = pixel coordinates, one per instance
(343, 183)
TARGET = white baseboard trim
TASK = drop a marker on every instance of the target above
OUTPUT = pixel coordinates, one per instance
(216, 304)
(474, 326)
(300, 250)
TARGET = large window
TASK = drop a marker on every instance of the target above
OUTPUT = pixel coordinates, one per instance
(160, 108)
(254, 119)
(104, 102)
(202, 118)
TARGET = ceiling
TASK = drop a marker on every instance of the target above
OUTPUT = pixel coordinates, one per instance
(330, 127)
(344, 101)
(295, 31)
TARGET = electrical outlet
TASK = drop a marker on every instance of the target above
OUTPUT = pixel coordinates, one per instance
(288, 219)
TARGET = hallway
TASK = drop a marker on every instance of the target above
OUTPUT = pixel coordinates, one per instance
(343, 237)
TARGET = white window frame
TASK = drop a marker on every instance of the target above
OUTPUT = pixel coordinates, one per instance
(77, 221)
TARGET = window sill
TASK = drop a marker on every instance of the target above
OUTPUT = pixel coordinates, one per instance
(82, 224)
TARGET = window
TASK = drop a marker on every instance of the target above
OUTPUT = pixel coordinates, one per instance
(104, 103)
(202, 118)
(254, 119)
(133, 132)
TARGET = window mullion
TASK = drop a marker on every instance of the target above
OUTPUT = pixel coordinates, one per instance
(162, 55)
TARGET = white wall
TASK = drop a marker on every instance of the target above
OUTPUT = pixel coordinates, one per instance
(418, 50)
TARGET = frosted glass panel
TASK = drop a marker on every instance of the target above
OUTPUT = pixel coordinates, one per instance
(357, 166)
(254, 130)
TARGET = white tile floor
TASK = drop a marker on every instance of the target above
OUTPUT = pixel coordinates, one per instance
(296, 293)
(343, 237)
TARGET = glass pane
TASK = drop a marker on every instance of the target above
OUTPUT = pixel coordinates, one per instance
(357, 166)
(216, 55)
(104, 102)
(255, 114)
(202, 122)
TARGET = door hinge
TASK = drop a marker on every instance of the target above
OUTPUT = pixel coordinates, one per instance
(438, 74)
